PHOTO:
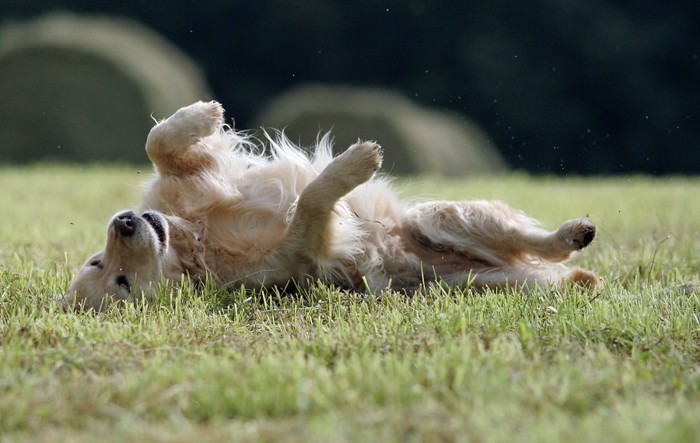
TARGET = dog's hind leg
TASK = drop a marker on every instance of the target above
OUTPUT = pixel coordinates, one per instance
(545, 275)
(174, 145)
(496, 241)
(495, 232)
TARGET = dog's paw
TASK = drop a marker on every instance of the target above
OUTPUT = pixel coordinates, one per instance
(198, 119)
(583, 278)
(360, 161)
(576, 234)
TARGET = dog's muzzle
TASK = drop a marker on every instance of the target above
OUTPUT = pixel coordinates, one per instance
(127, 223)
(157, 222)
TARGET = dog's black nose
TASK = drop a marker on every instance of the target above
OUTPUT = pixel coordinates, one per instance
(124, 223)
(588, 235)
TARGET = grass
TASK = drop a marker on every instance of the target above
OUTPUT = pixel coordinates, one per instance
(447, 365)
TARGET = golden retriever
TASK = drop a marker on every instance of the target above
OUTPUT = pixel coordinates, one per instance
(218, 206)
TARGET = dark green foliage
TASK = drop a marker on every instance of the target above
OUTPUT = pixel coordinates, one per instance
(572, 86)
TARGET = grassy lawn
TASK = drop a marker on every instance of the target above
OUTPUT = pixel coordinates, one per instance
(447, 365)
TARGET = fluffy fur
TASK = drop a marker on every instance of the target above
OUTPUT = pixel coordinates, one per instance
(219, 206)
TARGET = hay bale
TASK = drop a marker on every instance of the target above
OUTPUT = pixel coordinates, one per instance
(415, 139)
(83, 88)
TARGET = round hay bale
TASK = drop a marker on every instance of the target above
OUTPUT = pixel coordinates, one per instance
(415, 139)
(79, 88)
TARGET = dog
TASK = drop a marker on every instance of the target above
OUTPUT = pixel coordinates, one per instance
(220, 206)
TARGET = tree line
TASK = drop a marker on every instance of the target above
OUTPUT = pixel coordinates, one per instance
(563, 87)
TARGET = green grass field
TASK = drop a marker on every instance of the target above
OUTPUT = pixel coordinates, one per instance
(447, 365)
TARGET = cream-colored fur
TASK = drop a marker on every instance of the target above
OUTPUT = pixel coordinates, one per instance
(219, 207)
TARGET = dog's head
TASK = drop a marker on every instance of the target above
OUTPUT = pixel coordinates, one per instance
(130, 265)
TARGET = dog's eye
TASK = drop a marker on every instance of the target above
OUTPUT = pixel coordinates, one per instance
(123, 282)
(96, 263)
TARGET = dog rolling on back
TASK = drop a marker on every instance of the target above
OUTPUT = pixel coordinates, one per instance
(219, 207)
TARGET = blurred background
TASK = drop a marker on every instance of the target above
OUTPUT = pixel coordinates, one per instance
(544, 86)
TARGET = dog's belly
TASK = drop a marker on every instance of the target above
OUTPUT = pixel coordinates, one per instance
(242, 245)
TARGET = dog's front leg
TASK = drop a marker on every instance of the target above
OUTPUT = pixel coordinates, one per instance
(306, 237)
(174, 145)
